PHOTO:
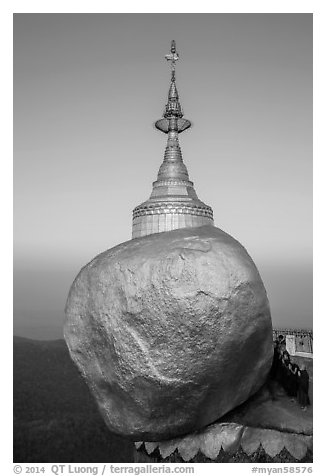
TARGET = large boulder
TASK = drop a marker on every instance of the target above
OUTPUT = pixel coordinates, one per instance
(170, 331)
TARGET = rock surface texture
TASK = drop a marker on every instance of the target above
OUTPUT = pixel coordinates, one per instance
(170, 331)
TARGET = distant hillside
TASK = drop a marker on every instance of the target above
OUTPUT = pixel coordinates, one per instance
(38, 332)
(55, 418)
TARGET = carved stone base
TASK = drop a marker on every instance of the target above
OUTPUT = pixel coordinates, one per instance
(270, 427)
(254, 445)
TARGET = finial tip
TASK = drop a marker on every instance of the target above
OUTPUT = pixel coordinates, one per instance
(173, 55)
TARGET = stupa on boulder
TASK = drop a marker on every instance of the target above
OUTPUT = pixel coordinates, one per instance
(171, 329)
(173, 203)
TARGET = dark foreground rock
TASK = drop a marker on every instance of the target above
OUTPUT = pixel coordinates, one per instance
(170, 331)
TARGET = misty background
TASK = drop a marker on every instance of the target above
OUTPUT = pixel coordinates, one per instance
(87, 91)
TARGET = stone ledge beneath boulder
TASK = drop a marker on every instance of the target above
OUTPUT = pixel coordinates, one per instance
(228, 438)
(269, 427)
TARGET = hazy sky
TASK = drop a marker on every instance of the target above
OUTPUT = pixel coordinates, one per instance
(87, 90)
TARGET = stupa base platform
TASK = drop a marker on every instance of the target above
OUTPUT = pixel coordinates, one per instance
(269, 427)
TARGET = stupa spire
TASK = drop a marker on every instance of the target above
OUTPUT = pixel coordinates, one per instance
(173, 114)
(173, 107)
(173, 202)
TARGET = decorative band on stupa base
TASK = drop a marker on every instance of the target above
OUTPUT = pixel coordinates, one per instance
(156, 217)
